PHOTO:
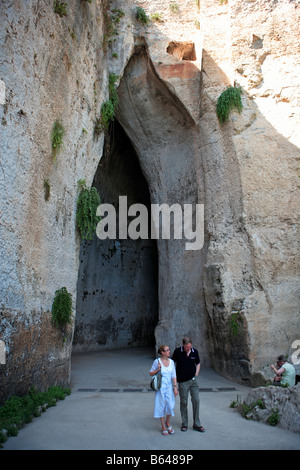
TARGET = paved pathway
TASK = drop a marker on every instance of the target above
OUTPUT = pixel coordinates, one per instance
(110, 408)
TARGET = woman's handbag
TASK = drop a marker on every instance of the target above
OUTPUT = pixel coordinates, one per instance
(155, 383)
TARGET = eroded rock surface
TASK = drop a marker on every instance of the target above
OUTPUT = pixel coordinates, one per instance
(239, 295)
(276, 405)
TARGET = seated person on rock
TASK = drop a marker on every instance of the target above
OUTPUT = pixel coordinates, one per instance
(285, 372)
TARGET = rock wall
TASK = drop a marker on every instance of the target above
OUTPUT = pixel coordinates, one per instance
(165, 139)
(258, 266)
(49, 71)
(171, 71)
(281, 404)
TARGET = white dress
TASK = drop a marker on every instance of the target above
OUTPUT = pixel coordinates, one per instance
(164, 401)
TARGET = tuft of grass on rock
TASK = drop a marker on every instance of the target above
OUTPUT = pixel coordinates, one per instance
(228, 100)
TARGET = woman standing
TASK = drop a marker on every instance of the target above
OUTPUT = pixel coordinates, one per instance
(164, 402)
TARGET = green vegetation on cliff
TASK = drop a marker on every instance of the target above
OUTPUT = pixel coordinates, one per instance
(228, 100)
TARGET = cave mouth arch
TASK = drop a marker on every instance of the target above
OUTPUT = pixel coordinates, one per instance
(162, 135)
(168, 145)
(117, 290)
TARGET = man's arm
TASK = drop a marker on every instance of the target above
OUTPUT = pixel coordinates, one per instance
(277, 371)
(198, 364)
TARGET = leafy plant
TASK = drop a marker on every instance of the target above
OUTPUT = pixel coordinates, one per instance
(109, 107)
(236, 403)
(274, 418)
(156, 17)
(229, 99)
(62, 308)
(141, 15)
(113, 96)
(107, 115)
(111, 21)
(57, 136)
(116, 15)
(87, 204)
(286, 385)
(60, 8)
(246, 409)
(17, 411)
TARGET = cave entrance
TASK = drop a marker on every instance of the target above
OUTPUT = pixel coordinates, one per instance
(182, 50)
(117, 292)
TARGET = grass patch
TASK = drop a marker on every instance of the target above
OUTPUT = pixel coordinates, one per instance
(107, 115)
(246, 410)
(157, 17)
(109, 107)
(111, 22)
(141, 16)
(274, 418)
(235, 322)
(57, 136)
(228, 100)
(60, 8)
(18, 411)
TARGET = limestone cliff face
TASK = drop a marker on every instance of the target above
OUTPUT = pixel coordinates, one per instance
(260, 53)
(171, 73)
(52, 68)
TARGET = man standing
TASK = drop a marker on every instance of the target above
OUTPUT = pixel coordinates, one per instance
(187, 370)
